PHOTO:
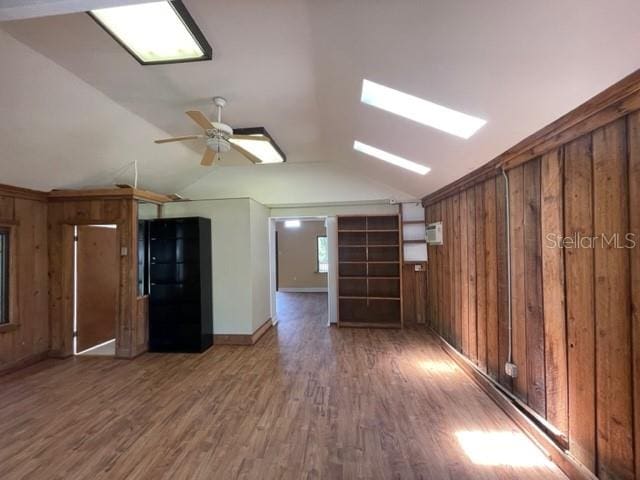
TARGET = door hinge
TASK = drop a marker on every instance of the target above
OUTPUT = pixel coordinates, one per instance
(75, 238)
(75, 334)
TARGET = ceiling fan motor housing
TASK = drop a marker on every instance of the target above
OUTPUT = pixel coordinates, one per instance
(218, 144)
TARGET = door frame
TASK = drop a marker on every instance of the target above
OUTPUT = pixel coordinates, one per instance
(74, 274)
(330, 225)
(67, 294)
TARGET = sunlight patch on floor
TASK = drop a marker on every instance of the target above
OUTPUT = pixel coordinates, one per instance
(509, 448)
(437, 366)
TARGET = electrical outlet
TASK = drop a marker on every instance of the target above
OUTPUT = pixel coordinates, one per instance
(511, 369)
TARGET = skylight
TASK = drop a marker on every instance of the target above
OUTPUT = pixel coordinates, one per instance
(263, 148)
(419, 110)
(292, 223)
(156, 32)
(391, 158)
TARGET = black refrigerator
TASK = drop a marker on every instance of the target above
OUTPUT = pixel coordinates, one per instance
(180, 284)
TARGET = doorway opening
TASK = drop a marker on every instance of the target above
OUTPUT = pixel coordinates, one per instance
(300, 260)
(96, 274)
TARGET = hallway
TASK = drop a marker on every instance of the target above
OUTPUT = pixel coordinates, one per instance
(307, 401)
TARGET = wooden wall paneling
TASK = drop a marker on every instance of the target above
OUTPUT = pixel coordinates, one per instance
(534, 322)
(555, 331)
(6, 208)
(409, 293)
(457, 311)
(612, 306)
(503, 282)
(491, 275)
(518, 296)
(633, 139)
(579, 271)
(440, 287)
(481, 279)
(448, 271)
(471, 257)
(26, 338)
(464, 272)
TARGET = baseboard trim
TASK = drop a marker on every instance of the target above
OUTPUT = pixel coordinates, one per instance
(257, 335)
(561, 457)
(304, 290)
(242, 339)
(23, 363)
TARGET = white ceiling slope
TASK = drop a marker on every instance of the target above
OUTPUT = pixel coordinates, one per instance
(296, 68)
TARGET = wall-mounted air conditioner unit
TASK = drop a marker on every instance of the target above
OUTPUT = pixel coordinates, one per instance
(434, 233)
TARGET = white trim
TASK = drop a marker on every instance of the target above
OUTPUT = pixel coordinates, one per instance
(304, 290)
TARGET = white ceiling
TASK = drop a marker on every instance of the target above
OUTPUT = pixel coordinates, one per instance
(296, 67)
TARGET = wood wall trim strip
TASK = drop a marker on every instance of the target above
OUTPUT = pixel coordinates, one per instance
(12, 367)
(518, 334)
(633, 139)
(555, 330)
(579, 273)
(534, 323)
(612, 306)
(257, 335)
(481, 279)
(569, 465)
(613, 103)
(24, 193)
(491, 278)
(243, 339)
(106, 194)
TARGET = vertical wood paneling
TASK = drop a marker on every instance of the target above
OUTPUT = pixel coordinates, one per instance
(28, 297)
(518, 334)
(612, 308)
(633, 137)
(451, 269)
(575, 302)
(579, 273)
(534, 325)
(503, 280)
(440, 312)
(471, 257)
(457, 310)
(464, 272)
(555, 331)
(491, 277)
(481, 278)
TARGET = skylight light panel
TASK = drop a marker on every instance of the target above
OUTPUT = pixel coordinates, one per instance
(292, 223)
(390, 158)
(419, 110)
(263, 150)
(156, 32)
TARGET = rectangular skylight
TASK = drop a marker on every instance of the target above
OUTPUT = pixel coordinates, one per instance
(419, 110)
(261, 149)
(391, 158)
(156, 32)
(264, 148)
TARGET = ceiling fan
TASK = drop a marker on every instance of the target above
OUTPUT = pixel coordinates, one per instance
(255, 144)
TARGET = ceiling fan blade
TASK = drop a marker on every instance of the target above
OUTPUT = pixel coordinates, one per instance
(260, 138)
(246, 153)
(198, 117)
(208, 158)
(178, 139)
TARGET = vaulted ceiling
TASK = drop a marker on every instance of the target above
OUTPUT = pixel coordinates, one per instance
(76, 108)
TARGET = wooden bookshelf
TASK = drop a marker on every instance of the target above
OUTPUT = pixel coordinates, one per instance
(369, 271)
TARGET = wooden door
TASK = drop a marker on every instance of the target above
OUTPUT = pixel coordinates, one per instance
(97, 291)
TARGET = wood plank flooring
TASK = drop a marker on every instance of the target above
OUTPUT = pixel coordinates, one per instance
(307, 401)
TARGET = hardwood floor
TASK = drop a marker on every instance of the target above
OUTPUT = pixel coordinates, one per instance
(307, 401)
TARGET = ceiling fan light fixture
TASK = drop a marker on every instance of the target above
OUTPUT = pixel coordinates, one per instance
(218, 144)
(264, 148)
(155, 32)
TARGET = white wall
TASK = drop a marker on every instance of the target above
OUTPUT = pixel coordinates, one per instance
(232, 266)
(330, 210)
(260, 300)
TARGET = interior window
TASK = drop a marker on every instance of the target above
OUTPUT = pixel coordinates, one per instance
(322, 254)
(4, 275)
